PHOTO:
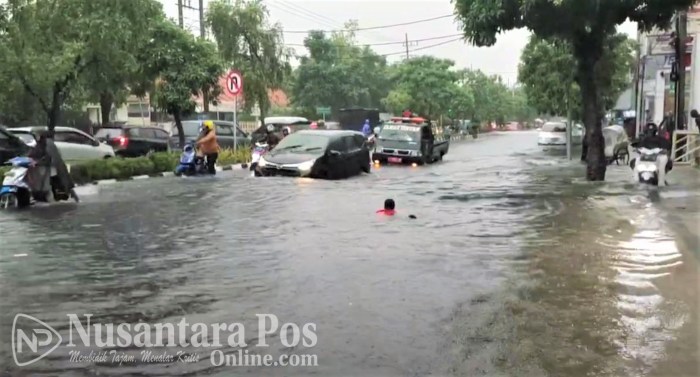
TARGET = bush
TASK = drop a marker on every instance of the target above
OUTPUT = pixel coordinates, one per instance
(125, 168)
(229, 157)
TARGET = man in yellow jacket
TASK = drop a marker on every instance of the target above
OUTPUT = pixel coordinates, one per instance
(208, 145)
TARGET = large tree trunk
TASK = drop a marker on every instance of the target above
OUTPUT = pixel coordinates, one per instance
(54, 112)
(180, 131)
(588, 53)
(106, 102)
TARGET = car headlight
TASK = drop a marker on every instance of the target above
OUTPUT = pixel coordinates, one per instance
(306, 165)
(380, 149)
(262, 162)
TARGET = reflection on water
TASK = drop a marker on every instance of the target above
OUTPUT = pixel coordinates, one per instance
(509, 268)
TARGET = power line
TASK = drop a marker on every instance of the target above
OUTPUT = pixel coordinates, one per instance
(390, 43)
(320, 17)
(424, 47)
(370, 28)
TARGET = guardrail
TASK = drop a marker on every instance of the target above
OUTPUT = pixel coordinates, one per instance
(685, 148)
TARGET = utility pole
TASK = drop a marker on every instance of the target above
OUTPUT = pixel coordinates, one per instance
(681, 36)
(180, 17)
(406, 46)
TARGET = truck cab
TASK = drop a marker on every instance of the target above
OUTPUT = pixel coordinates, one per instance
(409, 140)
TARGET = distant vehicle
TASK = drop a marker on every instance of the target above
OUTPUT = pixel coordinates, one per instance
(294, 123)
(354, 118)
(11, 145)
(409, 140)
(73, 144)
(554, 134)
(224, 134)
(134, 141)
(317, 154)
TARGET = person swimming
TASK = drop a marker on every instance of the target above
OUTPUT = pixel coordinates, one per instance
(390, 209)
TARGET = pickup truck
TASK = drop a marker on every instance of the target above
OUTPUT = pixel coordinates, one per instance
(409, 140)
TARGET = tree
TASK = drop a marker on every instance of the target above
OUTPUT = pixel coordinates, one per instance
(425, 84)
(490, 96)
(113, 78)
(48, 46)
(585, 25)
(547, 72)
(185, 66)
(249, 43)
(338, 74)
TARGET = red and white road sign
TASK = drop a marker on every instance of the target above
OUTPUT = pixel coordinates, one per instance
(234, 83)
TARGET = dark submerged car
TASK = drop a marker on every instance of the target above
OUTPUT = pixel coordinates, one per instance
(318, 154)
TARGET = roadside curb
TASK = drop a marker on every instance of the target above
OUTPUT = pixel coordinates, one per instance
(104, 182)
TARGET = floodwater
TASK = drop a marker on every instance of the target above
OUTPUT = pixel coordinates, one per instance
(514, 266)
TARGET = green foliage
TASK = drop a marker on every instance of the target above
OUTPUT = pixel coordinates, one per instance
(425, 84)
(229, 156)
(250, 44)
(48, 46)
(548, 69)
(185, 66)
(338, 74)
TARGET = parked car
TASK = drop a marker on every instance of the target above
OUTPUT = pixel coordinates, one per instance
(11, 146)
(554, 134)
(318, 154)
(134, 141)
(224, 134)
(410, 140)
(73, 144)
(294, 123)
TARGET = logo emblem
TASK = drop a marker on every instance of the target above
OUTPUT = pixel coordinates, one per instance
(32, 345)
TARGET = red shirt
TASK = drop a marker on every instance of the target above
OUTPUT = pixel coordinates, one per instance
(387, 212)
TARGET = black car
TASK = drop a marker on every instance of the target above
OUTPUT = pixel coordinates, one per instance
(224, 134)
(318, 154)
(11, 146)
(134, 141)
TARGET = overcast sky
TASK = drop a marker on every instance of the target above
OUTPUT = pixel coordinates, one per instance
(302, 15)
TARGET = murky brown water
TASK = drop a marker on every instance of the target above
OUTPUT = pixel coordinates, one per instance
(513, 266)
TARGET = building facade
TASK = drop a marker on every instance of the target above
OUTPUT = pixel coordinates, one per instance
(655, 90)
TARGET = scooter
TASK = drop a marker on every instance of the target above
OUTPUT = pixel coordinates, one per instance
(190, 164)
(259, 150)
(16, 191)
(645, 167)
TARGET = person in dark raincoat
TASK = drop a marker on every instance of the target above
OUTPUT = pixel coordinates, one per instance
(50, 174)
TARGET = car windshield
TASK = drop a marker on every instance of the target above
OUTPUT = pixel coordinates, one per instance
(399, 132)
(554, 127)
(190, 128)
(303, 143)
(108, 133)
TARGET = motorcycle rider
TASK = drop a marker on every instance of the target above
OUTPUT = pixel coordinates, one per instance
(367, 129)
(271, 138)
(286, 131)
(652, 140)
(209, 145)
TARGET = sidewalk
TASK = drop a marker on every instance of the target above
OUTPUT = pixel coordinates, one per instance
(681, 202)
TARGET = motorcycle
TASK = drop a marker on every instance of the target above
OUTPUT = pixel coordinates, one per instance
(18, 192)
(645, 167)
(190, 164)
(259, 150)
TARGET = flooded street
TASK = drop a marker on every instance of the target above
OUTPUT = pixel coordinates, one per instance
(515, 266)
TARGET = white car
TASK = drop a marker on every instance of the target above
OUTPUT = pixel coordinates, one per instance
(554, 133)
(74, 145)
